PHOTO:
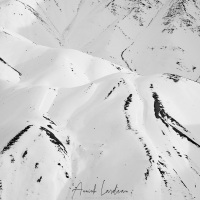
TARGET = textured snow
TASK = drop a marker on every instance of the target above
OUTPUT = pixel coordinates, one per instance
(99, 100)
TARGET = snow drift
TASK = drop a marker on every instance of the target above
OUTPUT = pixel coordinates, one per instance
(76, 126)
(147, 36)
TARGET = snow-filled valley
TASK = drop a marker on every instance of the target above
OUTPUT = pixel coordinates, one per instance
(99, 99)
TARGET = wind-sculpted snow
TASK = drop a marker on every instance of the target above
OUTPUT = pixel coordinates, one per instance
(165, 33)
(76, 126)
(117, 135)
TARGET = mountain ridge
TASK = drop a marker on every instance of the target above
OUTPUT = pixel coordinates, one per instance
(99, 99)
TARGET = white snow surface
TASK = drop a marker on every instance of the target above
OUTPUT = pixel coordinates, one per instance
(99, 100)
(147, 36)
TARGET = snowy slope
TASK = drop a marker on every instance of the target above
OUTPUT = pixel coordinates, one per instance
(77, 121)
(122, 129)
(147, 36)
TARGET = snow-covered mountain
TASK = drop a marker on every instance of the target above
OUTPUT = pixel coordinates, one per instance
(148, 36)
(99, 99)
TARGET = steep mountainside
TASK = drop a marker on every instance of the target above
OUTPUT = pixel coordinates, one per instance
(148, 36)
(99, 100)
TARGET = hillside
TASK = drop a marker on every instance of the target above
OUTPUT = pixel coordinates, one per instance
(99, 100)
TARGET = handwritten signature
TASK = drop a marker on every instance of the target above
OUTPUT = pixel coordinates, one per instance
(79, 190)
